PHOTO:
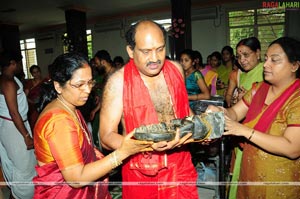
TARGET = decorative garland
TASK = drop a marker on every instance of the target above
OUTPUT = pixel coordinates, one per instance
(178, 27)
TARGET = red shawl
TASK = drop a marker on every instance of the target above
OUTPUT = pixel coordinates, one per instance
(270, 113)
(49, 182)
(175, 165)
(141, 111)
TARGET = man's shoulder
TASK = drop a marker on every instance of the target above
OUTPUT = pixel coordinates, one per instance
(174, 64)
(116, 79)
(118, 74)
(171, 62)
(8, 83)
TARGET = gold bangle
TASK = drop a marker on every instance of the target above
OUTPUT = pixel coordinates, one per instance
(117, 161)
(114, 160)
(251, 134)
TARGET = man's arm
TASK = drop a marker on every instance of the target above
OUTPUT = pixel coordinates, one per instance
(111, 112)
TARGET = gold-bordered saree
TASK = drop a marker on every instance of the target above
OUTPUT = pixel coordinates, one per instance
(268, 175)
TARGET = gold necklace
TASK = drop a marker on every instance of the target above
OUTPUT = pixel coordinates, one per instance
(75, 115)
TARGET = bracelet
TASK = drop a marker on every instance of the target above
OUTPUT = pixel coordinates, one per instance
(114, 160)
(27, 135)
(251, 134)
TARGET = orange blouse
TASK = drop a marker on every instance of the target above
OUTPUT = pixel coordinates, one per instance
(58, 138)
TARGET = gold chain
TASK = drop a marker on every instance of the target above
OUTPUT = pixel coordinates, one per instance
(75, 115)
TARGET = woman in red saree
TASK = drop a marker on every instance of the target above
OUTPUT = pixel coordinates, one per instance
(270, 164)
(68, 164)
(32, 90)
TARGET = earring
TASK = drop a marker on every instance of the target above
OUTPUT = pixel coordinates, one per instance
(295, 69)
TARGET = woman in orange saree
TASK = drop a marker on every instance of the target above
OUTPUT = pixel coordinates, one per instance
(68, 164)
(270, 164)
(50, 182)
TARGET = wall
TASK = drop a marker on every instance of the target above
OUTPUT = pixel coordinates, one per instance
(206, 38)
(293, 24)
(110, 41)
(44, 45)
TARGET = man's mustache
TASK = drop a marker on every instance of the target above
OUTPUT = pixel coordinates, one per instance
(151, 62)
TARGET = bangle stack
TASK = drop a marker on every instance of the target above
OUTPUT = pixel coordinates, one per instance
(115, 162)
(251, 134)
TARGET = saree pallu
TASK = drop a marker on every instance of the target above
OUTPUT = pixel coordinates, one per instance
(210, 78)
(156, 174)
(223, 74)
(49, 182)
(245, 80)
(259, 166)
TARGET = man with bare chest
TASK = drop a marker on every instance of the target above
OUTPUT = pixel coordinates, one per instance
(161, 98)
(149, 90)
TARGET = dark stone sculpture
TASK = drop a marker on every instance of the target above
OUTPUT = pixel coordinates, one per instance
(203, 126)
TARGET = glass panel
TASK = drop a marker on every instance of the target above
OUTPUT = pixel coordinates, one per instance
(267, 16)
(65, 49)
(25, 69)
(89, 44)
(241, 18)
(90, 51)
(28, 52)
(89, 38)
(31, 56)
(236, 34)
(270, 25)
(267, 34)
(30, 45)
(30, 40)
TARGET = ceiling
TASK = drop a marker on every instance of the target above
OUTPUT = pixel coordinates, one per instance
(38, 15)
(35, 15)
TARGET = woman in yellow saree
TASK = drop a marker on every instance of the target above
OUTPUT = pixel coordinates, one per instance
(270, 164)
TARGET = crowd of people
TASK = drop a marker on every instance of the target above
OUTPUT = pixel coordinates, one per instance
(62, 135)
